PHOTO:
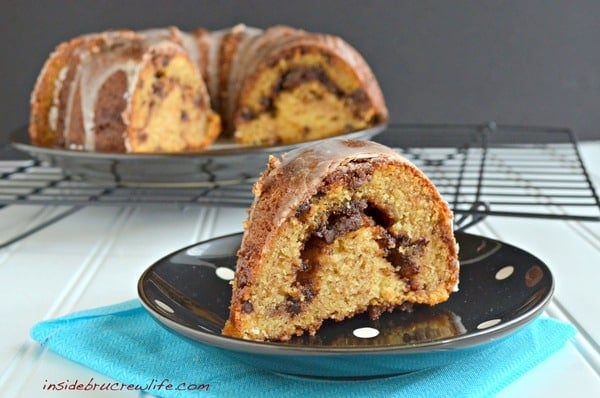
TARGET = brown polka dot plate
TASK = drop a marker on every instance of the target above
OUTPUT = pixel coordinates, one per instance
(502, 288)
(222, 163)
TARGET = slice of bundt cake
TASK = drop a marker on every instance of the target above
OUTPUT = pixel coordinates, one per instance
(124, 91)
(337, 229)
(287, 85)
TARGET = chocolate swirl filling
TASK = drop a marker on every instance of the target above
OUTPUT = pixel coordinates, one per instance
(357, 100)
(399, 250)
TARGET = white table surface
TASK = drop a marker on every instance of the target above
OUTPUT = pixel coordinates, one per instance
(95, 257)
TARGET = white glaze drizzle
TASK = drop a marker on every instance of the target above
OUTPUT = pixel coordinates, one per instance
(92, 79)
(71, 95)
(95, 67)
(58, 83)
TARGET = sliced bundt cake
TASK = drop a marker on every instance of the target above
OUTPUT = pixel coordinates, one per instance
(164, 90)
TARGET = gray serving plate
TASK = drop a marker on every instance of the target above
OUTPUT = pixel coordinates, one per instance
(502, 288)
(222, 163)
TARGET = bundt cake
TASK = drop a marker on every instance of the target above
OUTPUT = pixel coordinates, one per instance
(336, 229)
(165, 90)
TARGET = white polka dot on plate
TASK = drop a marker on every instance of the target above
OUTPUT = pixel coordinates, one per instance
(489, 324)
(505, 272)
(164, 306)
(225, 273)
(365, 333)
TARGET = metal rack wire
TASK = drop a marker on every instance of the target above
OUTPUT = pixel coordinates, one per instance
(481, 170)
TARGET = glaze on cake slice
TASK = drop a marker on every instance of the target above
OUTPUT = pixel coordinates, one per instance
(337, 229)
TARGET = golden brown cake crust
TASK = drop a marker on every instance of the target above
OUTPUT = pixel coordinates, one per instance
(291, 191)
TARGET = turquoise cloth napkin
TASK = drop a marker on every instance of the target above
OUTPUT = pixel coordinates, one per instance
(124, 343)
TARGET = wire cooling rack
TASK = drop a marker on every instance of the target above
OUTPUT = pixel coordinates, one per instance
(492, 170)
(481, 170)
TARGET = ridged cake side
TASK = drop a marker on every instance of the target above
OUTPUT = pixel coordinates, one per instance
(123, 91)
